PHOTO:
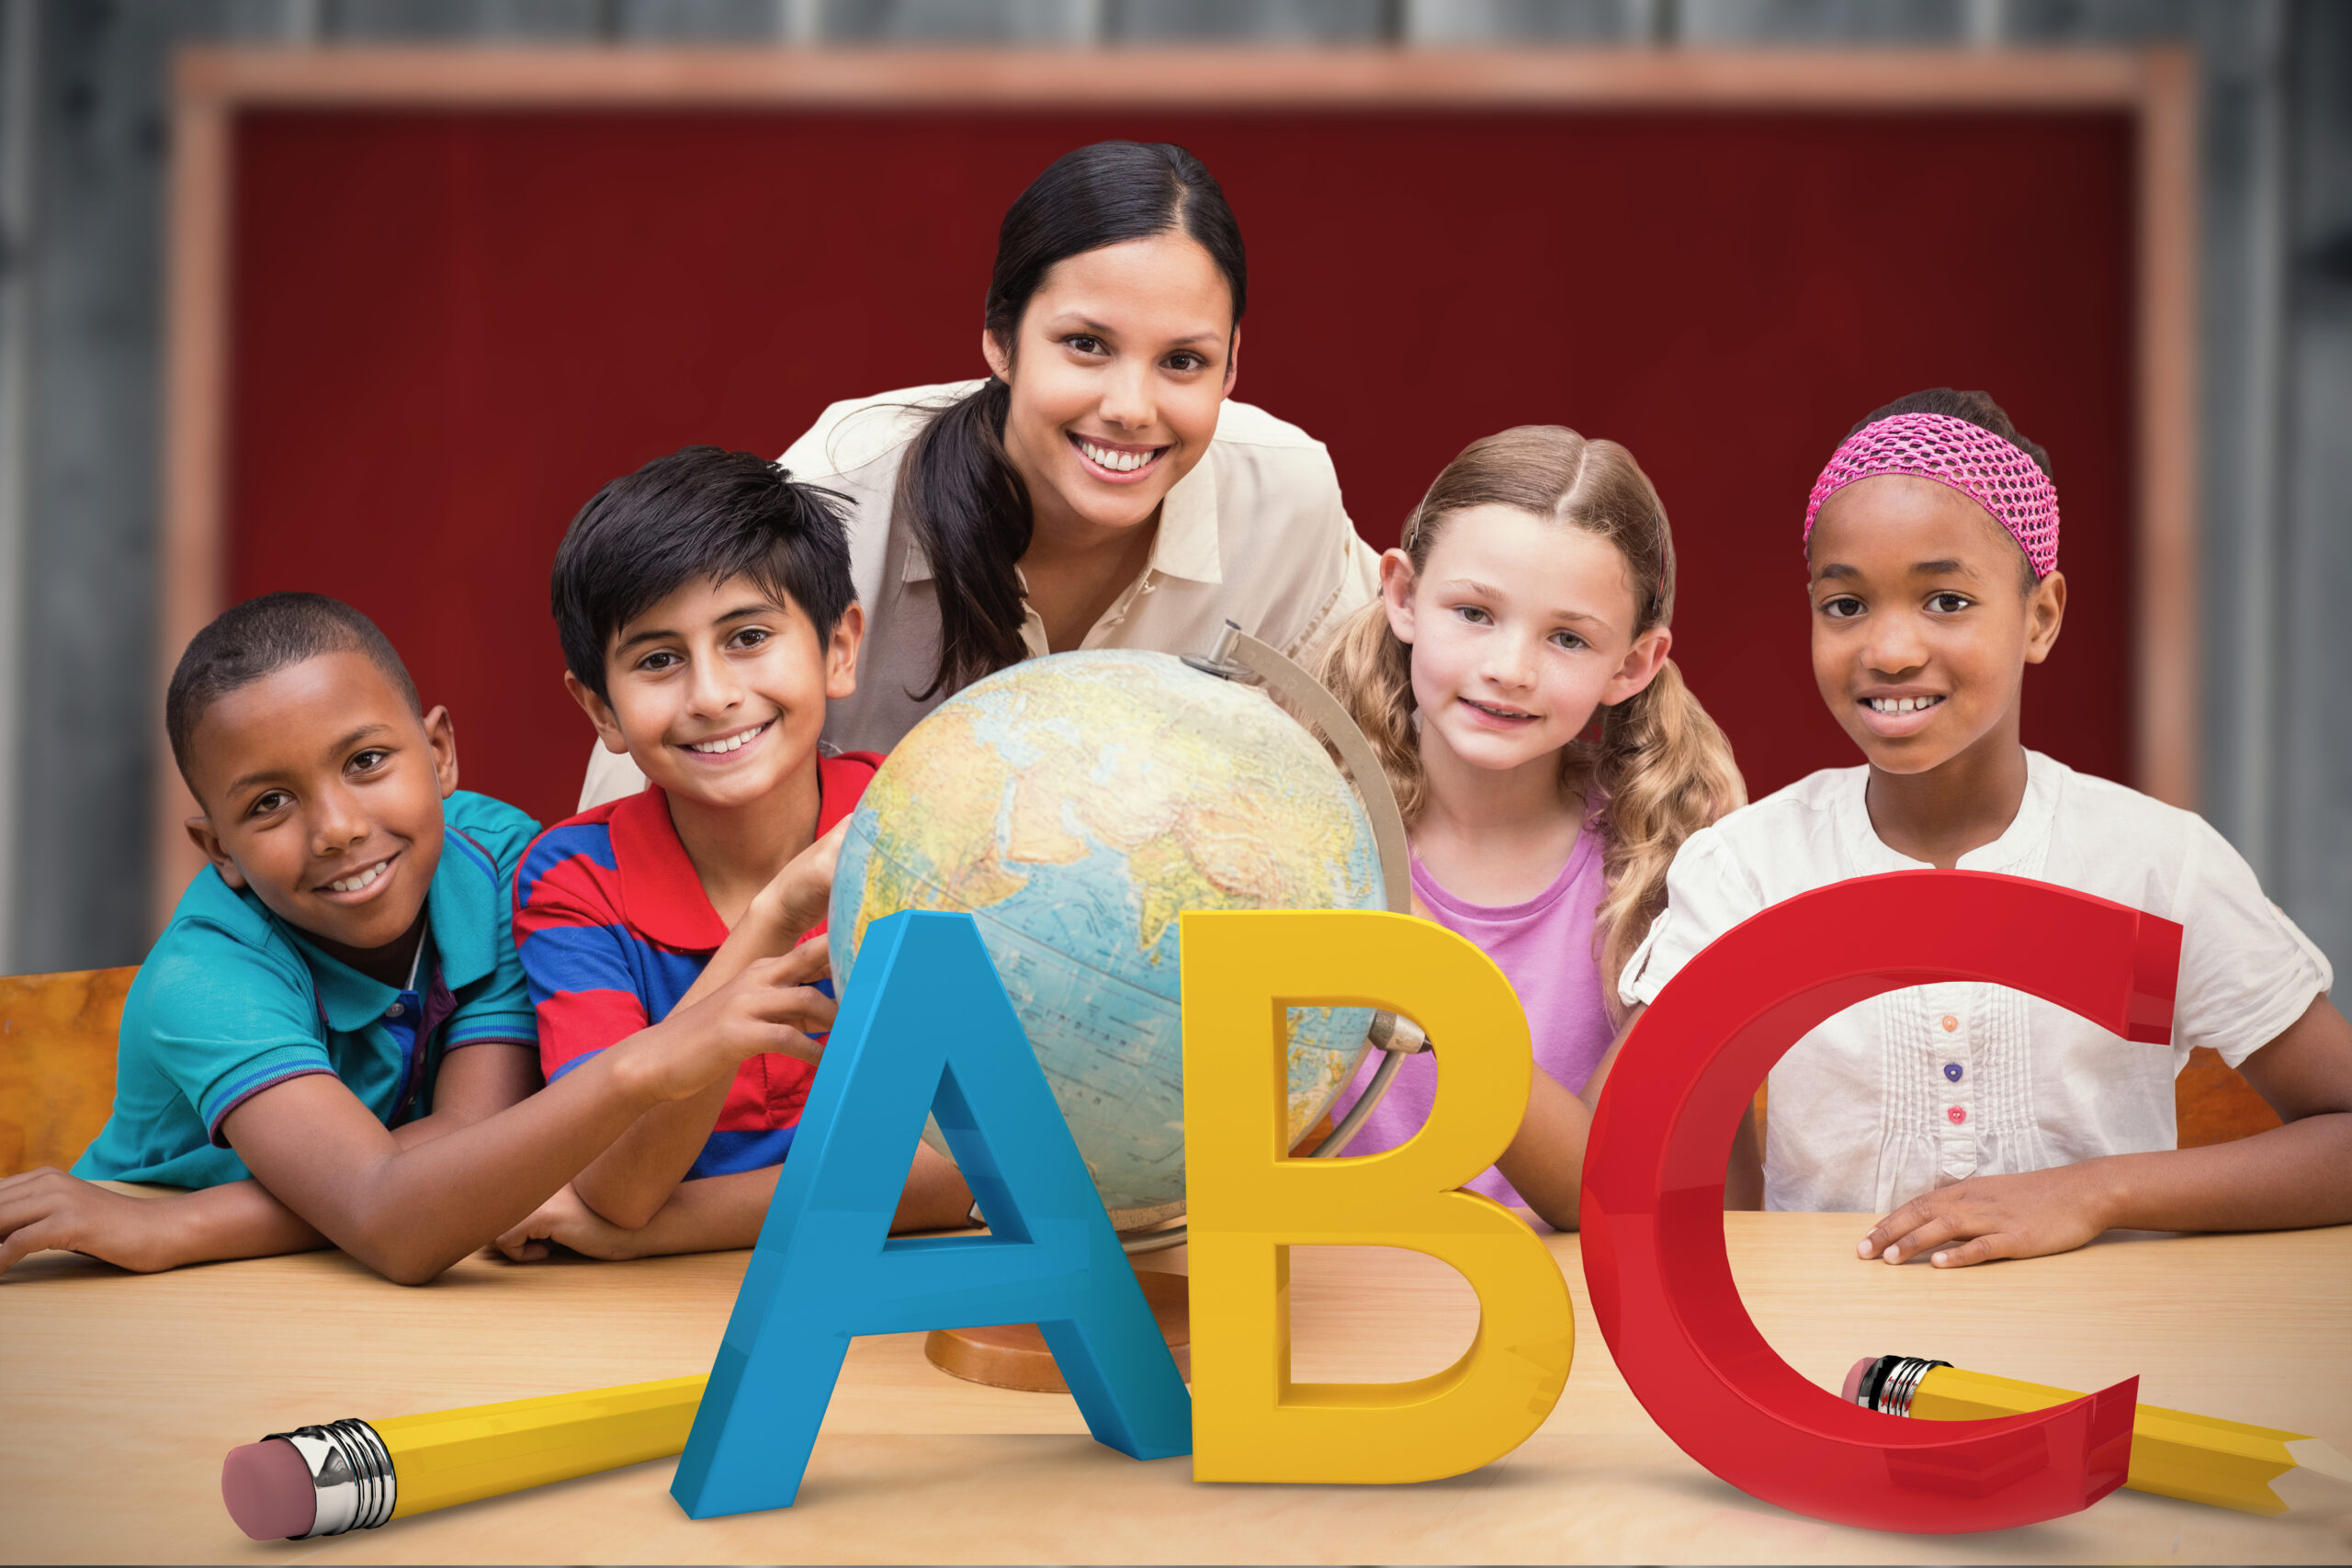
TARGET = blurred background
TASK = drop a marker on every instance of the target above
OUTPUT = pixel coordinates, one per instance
(448, 329)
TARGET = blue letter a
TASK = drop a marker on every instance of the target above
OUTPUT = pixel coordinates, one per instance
(924, 1008)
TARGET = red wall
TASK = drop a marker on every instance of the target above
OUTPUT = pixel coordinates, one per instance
(451, 328)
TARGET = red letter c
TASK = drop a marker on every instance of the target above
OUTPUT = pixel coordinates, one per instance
(1654, 1255)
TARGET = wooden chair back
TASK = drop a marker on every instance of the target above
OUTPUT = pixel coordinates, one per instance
(57, 1045)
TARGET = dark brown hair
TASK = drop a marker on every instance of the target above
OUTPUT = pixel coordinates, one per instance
(257, 638)
(699, 512)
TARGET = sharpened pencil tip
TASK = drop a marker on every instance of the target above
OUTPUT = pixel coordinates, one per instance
(2321, 1483)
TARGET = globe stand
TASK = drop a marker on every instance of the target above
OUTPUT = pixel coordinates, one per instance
(1014, 1355)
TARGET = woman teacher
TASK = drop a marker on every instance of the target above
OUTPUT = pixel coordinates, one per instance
(1100, 488)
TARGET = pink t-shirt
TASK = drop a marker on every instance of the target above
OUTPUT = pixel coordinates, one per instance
(1545, 948)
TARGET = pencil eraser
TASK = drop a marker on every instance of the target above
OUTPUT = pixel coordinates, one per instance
(268, 1491)
(1853, 1389)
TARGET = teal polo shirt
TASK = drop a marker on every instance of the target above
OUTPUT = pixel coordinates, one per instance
(232, 1001)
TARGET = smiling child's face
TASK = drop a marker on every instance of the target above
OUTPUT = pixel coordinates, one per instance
(322, 791)
(1922, 627)
(1520, 628)
(1122, 361)
(718, 691)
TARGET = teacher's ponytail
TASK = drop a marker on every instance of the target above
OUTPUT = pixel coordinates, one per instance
(969, 511)
(959, 489)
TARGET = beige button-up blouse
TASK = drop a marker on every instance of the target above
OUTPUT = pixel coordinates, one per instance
(1256, 533)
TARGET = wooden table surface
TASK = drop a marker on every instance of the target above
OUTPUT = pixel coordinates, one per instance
(120, 1393)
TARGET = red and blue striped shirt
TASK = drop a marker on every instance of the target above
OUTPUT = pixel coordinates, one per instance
(613, 926)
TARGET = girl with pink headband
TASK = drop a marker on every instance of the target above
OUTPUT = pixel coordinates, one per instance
(1981, 1121)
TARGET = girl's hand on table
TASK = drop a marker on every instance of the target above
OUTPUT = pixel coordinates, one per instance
(1985, 1217)
(564, 1221)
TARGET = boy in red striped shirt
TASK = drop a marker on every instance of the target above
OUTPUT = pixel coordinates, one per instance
(706, 615)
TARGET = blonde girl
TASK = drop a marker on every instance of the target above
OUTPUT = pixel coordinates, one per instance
(1533, 595)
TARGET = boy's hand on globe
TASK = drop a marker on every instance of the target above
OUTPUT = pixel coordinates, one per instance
(2026, 1216)
(773, 1005)
(798, 897)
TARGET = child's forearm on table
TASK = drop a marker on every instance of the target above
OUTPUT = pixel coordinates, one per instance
(936, 1198)
(410, 1213)
(147, 1228)
(1545, 1160)
(2286, 1179)
(629, 1182)
(236, 1219)
(714, 1214)
(718, 1213)
(2294, 1174)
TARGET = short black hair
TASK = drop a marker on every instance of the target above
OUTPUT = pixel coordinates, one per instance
(258, 638)
(699, 512)
(1979, 410)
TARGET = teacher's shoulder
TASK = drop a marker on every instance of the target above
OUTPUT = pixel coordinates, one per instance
(1275, 462)
(1291, 566)
(1247, 425)
(857, 434)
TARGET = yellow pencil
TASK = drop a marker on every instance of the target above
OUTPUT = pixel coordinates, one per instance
(350, 1475)
(2256, 1470)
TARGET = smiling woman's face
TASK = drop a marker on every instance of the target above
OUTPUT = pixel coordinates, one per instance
(1118, 367)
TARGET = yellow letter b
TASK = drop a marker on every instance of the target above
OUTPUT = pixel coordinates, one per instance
(1250, 1204)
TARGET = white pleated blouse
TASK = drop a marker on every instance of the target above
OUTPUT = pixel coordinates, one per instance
(1920, 1087)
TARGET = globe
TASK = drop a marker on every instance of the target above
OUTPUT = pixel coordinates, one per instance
(1074, 805)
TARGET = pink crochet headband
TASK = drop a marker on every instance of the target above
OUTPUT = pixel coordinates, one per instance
(1963, 457)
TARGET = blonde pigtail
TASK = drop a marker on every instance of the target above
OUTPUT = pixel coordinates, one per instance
(1372, 674)
(1666, 771)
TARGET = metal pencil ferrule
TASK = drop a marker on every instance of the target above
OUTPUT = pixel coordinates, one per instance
(351, 1471)
(1890, 1385)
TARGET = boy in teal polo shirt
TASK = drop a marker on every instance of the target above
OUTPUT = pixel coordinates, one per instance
(333, 1041)
(233, 1000)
